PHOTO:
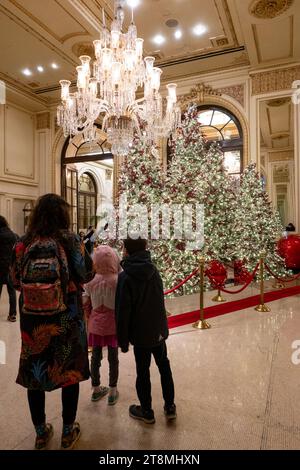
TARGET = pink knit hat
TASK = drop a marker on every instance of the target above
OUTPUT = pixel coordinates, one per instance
(106, 260)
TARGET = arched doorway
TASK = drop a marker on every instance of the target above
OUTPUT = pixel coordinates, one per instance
(87, 176)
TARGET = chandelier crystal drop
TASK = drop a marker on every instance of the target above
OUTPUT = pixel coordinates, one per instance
(111, 90)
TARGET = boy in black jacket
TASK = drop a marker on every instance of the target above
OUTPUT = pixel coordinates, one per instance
(141, 321)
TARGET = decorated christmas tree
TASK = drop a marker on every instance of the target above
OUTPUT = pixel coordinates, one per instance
(139, 187)
(197, 176)
(238, 222)
(257, 227)
(140, 175)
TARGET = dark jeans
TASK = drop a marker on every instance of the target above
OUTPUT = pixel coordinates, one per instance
(113, 365)
(12, 296)
(69, 398)
(143, 384)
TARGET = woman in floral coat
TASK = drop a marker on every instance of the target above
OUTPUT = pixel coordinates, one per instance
(54, 350)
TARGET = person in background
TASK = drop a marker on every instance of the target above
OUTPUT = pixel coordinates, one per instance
(88, 240)
(49, 266)
(99, 306)
(141, 321)
(290, 227)
(7, 241)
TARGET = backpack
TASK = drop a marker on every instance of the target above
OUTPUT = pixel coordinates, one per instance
(44, 277)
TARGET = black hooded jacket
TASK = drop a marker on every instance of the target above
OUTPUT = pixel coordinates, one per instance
(140, 308)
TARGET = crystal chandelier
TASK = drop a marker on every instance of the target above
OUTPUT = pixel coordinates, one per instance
(111, 91)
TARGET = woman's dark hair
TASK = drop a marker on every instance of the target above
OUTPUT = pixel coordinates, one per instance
(3, 222)
(49, 217)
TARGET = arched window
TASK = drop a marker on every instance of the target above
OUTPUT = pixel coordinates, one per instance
(82, 195)
(219, 125)
(87, 201)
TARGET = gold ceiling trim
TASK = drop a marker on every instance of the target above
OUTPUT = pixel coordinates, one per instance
(22, 88)
(99, 4)
(46, 28)
(268, 9)
(230, 22)
(220, 18)
(12, 16)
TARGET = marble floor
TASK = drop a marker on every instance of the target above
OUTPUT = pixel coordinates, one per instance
(236, 388)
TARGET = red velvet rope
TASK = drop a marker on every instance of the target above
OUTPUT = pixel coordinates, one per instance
(182, 283)
(244, 287)
(294, 278)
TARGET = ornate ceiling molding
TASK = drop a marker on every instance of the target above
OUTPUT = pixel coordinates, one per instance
(197, 95)
(202, 91)
(268, 9)
(236, 92)
(275, 80)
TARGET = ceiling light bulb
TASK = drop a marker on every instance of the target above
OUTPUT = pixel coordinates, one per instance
(27, 72)
(199, 29)
(40, 68)
(54, 65)
(159, 39)
(178, 34)
(133, 3)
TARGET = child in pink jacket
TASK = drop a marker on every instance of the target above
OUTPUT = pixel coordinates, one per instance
(99, 306)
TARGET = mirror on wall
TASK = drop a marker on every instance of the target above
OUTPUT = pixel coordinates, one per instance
(277, 155)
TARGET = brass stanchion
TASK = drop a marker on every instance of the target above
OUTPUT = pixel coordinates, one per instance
(262, 307)
(202, 323)
(219, 297)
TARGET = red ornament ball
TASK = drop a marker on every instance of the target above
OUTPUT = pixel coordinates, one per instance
(241, 274)
(289, 250)
(217, 273)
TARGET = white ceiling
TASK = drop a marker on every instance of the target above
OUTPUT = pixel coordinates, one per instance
(40, 32)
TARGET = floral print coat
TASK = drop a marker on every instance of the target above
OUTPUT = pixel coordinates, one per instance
(54, 350)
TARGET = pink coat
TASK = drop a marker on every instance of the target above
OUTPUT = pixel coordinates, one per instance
(99, 294)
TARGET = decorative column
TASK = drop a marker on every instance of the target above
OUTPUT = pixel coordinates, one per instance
(43, 150)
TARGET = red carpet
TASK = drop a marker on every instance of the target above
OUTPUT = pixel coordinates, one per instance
(228, 307)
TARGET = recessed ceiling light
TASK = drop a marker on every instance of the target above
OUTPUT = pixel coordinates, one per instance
(27, 72)
(199, 29)
(40, 68)
(54, 65)
(178, 34)
(159, 39)
(133, 3)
